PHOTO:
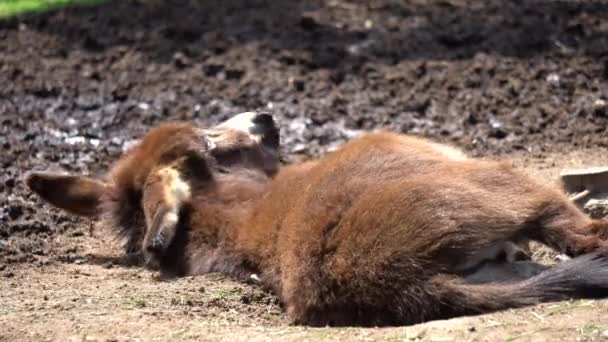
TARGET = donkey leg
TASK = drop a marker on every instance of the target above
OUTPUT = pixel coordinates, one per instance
(567, 229)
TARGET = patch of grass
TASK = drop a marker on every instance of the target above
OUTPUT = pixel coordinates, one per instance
(395, 339)
(442, 339)
(137, 303)
(230, 294)
(10, 8)
(591, 332)
(178, 335)
(183, 301)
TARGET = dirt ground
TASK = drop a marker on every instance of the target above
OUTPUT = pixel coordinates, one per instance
(525, 80)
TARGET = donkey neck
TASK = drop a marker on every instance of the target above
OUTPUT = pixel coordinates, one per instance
(237, 223)
(257, 235)
(220, 212)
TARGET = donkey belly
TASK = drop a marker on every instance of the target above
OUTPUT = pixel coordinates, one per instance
(507, 251)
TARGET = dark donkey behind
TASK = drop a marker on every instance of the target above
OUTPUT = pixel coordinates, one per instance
(379, 232)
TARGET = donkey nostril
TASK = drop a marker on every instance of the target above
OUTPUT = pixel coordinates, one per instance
(157, 245)
(151, 249)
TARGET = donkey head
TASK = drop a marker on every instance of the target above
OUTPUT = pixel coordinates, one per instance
(247, 141)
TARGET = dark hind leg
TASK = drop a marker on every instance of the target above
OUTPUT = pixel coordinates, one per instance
(599, 228)
(515, 251)
(566, 228)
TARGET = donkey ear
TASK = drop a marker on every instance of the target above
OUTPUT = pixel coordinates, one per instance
(76, 194)
(260, 126)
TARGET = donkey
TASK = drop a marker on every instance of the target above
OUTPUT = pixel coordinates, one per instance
(382, 231)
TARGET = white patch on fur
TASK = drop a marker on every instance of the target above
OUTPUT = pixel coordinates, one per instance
(180, 190)
(176, 190)
(170, 218)
(242, 122)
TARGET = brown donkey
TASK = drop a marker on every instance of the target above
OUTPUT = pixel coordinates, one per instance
(380, 232)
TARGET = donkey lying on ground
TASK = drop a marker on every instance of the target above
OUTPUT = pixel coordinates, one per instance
(380, 232)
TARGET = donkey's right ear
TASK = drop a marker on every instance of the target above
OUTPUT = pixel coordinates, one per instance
(260, 126)
(76, 194)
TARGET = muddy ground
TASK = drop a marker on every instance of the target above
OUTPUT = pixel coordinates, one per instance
(526, 80)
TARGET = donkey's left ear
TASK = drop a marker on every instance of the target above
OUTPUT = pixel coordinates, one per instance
(78, 195)
(260, 126)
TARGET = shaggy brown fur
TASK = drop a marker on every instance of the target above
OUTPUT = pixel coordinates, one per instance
(379, 232)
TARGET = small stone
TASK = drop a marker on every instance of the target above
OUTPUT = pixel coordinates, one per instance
(212, 69)
(497, 129)
(553, 79)
(597, 208)
(599, 103)
(299, 148)
(234, 74)
(495, 123)
(393, 23)
(255, 279)
(180, 60)
(79, 260)
(14, 212)
(308, 23)
(600, 107)
(299, 85)
(472, 119)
